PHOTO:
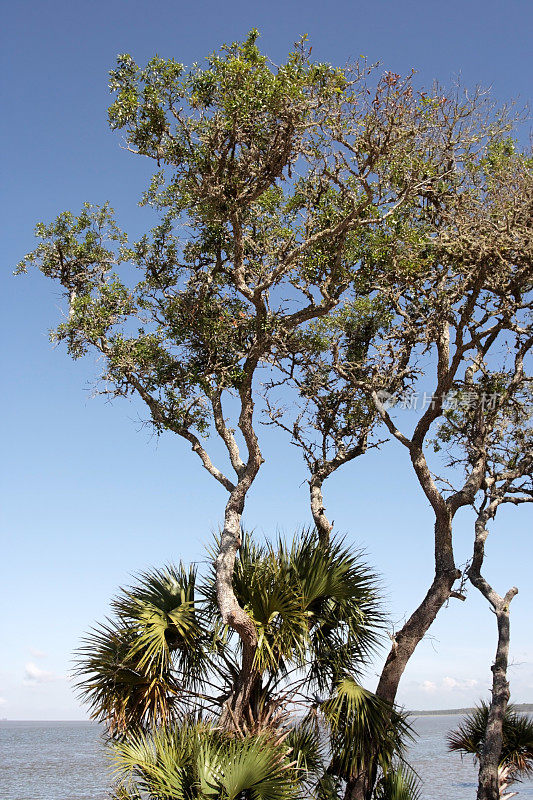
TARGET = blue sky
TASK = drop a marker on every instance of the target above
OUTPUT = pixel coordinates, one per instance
(89, 497)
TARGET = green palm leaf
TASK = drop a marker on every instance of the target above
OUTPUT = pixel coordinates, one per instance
(197, 761)
(339, 594)
(517, 749)
(256, 767)
(134, 671)
(401, 783)
(120, 691)
(162, 610)
(364, 729)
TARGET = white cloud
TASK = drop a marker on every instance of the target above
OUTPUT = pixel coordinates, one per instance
(37, 653)
(3, 701)
(460, 685)
(448, 684)
(35, 675)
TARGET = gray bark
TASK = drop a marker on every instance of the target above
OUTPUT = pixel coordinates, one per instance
(231, 612)
(323, 525)
(490, 755)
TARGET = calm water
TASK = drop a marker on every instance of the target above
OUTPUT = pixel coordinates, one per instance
(65, 761)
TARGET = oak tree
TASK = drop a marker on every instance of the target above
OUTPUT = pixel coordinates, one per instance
(441, 320)
(267, 179)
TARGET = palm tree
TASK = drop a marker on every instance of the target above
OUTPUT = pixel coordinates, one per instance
(164, 672)
(517, 749)
(356, 719)
(139, 669)
(196, 760)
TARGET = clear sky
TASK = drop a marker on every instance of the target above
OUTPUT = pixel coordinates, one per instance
(88, 496)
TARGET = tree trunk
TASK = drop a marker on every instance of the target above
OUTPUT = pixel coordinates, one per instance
(359, 787)
(489, 758)
(232, 613)
(242, 707)
(323, 525)
(406, 640)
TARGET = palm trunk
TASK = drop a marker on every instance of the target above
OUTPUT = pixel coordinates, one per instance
(358, 787)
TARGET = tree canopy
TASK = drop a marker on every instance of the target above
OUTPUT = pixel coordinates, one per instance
(335, 235)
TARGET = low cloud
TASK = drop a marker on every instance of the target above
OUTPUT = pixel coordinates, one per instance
(34, 675)
(448, 684)
(463, 683)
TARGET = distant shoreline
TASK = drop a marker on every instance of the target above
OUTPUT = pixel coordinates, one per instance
(526, 708)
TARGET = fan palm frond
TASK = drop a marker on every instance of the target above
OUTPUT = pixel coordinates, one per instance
(314, 605)
(339, 594)
(162, 763)
(517, 749)
(196, 760)
(400, 783)
(256, 767)
(306, 747)
(162, 609)
(364, 730)
(135, 671)
(118, 690)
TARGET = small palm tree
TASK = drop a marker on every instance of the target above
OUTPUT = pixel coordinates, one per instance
(517, 750)
(196, 760)
(163, 672)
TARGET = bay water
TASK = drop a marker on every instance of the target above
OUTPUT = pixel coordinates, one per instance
(66, 761)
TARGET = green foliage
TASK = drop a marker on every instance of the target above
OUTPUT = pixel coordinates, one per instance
(137, 670)
(517, 749)
(315, 606)
(120, 691)
(162, 672)
(399, 783)
(223, 119)
(246, 254)
(198, 761)
(357, 720)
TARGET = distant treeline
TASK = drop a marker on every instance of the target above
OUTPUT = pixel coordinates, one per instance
(527, 708)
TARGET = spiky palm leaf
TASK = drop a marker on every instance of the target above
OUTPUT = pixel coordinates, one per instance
(162, 608)
(339, 595)
(314, 605)
(265, 590)
(364, 730)
(118, 690)
(517, 750)
(137, 670)
(400, 783)
(198, 761)
(306, 747)
(160, 764)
